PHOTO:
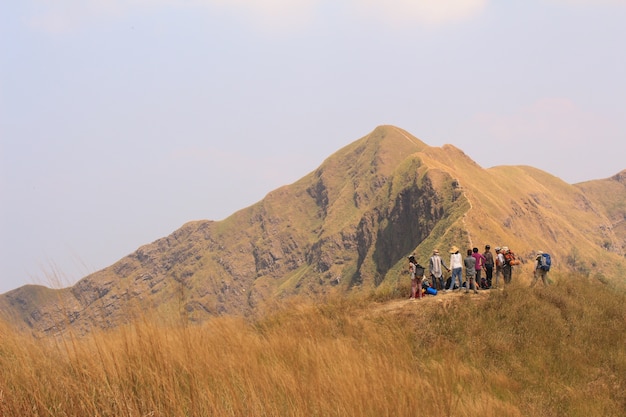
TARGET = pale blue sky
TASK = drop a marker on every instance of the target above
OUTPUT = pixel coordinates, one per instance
(122, 120)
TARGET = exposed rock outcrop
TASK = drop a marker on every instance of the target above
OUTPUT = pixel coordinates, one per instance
(346, 226)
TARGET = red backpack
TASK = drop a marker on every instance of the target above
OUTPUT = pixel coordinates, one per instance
(510, 259)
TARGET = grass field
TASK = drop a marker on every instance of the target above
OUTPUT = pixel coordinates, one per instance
(556, 351)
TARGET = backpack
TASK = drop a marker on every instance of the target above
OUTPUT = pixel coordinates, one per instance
(546, 262)
(448, 282)
(509, 259)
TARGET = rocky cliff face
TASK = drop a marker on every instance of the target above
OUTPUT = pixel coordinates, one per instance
(348, 225)
(609, 196)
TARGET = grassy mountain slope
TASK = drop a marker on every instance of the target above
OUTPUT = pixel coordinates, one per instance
(609, 194)
(348, 225)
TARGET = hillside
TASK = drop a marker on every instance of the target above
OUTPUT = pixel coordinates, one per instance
(559, 351)
(347, 226)
(610, 194)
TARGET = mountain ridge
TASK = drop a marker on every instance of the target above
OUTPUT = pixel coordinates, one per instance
(346, 226)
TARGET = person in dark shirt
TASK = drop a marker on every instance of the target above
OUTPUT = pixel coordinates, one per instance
(489, 263)
(470, 271)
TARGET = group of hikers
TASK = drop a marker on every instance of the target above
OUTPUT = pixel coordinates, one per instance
(495, 265)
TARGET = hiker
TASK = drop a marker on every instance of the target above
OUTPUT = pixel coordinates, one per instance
(509, 261)
(480, 262)
(456, 265)
(539, 271)
(416, 278)
(470, 271)
(499, 264)
(488, 265)
(436, 270)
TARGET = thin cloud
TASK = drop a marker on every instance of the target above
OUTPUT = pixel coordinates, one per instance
(67, 15)
(275, 15)
(590, 2)
(430, 12)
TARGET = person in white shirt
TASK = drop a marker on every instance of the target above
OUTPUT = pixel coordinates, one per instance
(499, 264)
(456, 265)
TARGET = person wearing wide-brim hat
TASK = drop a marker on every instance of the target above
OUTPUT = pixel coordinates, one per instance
(499, 264)
(509, 261)
(539, 271)
(436, 266)
(456, 265)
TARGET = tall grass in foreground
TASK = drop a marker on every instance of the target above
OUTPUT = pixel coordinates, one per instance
(559, 351)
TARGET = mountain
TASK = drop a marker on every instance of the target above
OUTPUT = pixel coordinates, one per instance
(347, 226)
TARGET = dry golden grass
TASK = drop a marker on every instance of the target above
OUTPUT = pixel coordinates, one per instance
(558, 351)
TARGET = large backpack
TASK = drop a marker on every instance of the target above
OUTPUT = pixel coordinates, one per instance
(449, 281)
(546, 262)
(510, 259)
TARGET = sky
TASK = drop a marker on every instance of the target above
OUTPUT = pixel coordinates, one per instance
(122, 120)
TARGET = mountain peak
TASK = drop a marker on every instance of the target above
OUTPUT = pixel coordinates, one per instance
(346, 226)
(394, 136)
